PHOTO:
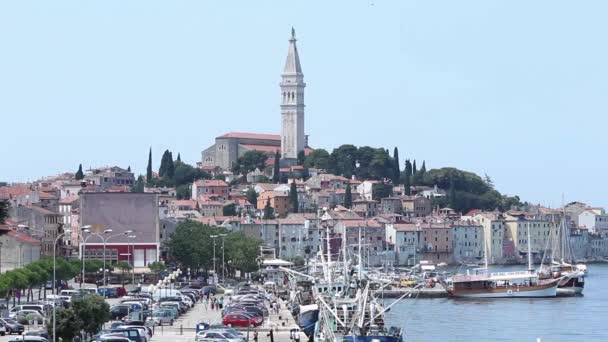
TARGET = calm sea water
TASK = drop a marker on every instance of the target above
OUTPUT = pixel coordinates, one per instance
(582, 318)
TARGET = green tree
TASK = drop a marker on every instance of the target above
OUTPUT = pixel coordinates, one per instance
(68, 326)
(179, 158)
(93, 311)
(397, 172)
(157, 267)
(301, 157)
(149, 168)
(293, 198)
(123, 266)
(407, 177)
(241, 252)
(138, 185)
(252, 197)
(268, 210)
(183, 191)
(276, 169)
(381, 190)
(318, 159)
(348, 197)
(342, 160)
(414, 168)
(79, 174)
(4, 211)
(229, 209)
(129, 168)
(250, 161)
(166, 168)
(186, 174)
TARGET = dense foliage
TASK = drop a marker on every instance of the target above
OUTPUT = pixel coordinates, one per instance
(250, 161)
(364, 162)
(318, 159)
(86, 314)
(79, 174)
(466, 191)
(192, 246)
(4, 211)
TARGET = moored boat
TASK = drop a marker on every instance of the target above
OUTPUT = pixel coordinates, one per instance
(523, 284)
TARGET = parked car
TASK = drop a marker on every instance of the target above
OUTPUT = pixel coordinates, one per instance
(112, 338)
(162, 317)
(216, 335)
(108, 292)
(119, 311)
(209, 290)
(41, 333)
(2, 329)
(241, 320)
(28, 339)
(12, 327)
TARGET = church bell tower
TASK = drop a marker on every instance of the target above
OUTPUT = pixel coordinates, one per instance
(292, 105)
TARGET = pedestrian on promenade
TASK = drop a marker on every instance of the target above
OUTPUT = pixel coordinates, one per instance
(271, 335)
(220, 304)
(255, 335)
(213, 304)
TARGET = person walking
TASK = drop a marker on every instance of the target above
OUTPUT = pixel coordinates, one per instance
(255, 335)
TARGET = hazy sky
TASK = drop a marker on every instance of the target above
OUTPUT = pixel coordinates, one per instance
(514, 89)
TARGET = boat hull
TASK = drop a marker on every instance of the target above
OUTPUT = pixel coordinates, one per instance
(372, 338)
(307, 321)
(537, 291)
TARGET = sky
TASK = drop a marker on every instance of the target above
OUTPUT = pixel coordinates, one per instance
(512, 89)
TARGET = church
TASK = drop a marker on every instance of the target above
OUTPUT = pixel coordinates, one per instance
(228, 147)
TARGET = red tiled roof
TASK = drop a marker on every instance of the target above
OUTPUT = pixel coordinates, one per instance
(211, 182)
(45, 195)
(307, 150)
(405, 227)
(360, 223)
(184, 203)
(69, 199)
(251, 136)
(261, 148)
(12, 191)
(23, 237)
(119, 188)
(216, 203)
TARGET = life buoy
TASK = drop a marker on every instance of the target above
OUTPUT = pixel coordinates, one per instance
(510, 292)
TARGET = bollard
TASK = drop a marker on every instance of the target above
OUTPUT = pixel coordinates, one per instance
(162, 330)
(181, 329)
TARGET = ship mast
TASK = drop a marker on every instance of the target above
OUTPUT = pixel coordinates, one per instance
(530, 268)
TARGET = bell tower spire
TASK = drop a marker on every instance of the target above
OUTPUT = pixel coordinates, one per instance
(292, 103)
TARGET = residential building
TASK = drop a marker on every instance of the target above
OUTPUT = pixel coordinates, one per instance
(17, 249)
(594, 219)
(327, 181)
(211, 208)
(365, 208)
(405, 237)
(210, 187)
(437, 242)
(278, 201)
(109, 176)
(372, 234)
(416, 206)
(44, 225)
(494, 233)
(366, 189)
(468, 242)
(391, 205)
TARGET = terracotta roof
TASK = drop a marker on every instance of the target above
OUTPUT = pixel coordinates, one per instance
(405, 227)
(69, 199)
(184, 203)
(211, 182)
(211, 203)
(12, 191)
(307, 150)
(251, 136)
(23, 237)
(360, 223)
(271, 194)
(46, 195)
(262, 148)
(119, 188)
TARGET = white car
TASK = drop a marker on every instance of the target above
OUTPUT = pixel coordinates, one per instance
(217, 335)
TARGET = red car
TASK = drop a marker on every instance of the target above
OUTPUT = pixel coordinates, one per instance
(235, 319)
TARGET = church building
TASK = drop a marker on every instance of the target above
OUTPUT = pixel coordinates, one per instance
(228, 147)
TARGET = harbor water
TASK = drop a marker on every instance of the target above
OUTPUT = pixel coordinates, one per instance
(562, 319)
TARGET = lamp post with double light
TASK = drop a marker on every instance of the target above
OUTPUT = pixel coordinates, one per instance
(223, 262)
(132, 258)
(214, 270)
(84, 229)
(55, 279)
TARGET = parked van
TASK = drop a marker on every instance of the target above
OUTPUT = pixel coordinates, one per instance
(38, 307)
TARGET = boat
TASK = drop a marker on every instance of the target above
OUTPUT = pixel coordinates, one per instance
(572, 276)
(483, 284)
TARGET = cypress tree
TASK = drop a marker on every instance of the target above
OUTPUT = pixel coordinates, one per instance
(170, 166)
(164, 163)
(293, 197)
(149, 169)
(276, 171)
(452, 195)
(268, 210)
(348, 197)
(129, 168)
(397, 172)
(79, 174)
(414, 168)
(407, 179)
(179, 158)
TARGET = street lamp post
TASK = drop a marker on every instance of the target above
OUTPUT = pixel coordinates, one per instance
(84, 229)
(105, 241)
(132, 258)
(55, 280)
(223, 263)
(214, 270)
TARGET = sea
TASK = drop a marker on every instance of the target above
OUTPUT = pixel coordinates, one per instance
(581, 318)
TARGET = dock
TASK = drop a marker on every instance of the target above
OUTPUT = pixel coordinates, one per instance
(425, 292)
